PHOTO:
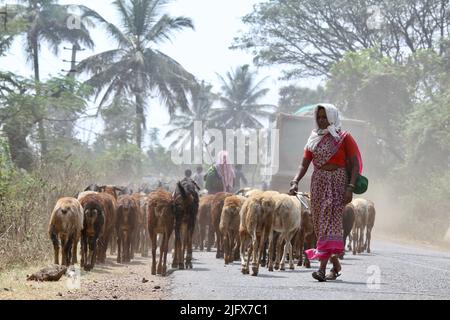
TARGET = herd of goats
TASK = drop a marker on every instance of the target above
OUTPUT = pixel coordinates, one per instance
(249, 225)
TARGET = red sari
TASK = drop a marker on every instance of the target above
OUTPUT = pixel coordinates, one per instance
(327, 196)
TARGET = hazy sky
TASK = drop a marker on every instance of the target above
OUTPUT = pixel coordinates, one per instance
(203, 52)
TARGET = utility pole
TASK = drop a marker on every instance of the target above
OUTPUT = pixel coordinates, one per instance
(71, 73)
(75, 48)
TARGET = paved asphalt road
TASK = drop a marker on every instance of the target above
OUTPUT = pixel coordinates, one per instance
(393, 271)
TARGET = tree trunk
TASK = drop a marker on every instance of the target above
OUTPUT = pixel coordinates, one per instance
(41, 128)
(36, 61)
(140, 120)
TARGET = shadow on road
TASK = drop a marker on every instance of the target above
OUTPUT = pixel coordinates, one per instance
(265, 275)
(170, 271)
(100, 270)
(199, 269)
(352, 282)
(300, 271)
(135, 263)
(349, 259)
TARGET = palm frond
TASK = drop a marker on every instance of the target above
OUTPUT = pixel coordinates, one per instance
(95, 63)
(115, 32)
(228, 103)
(253, 97)
(226, 88)
(169, 78)
(107, 76)
(115, 87)
(125, 14)
(164, 29)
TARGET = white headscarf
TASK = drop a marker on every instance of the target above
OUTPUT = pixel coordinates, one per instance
(334, 128)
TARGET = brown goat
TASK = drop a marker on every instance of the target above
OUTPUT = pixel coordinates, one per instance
(113, 192)
(347, 224)
(66, 223)
(93, 228)
(286, 221)
(247, 192)
(361, 212)
(108, 203)
(256, 218)
(229, 227)
(186, 201)
(305, 238)
(370, 222)
(161, 219)
(142, 238)
(126, 225)
(244, 236)
(216, 211)
(204, 222)
(110, 219)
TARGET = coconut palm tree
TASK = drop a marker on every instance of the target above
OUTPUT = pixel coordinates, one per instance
(47, 22)
(199, 110)
(240, 95)
(10, 27)
(136, 68)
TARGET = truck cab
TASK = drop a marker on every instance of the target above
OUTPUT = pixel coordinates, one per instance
(294, 131)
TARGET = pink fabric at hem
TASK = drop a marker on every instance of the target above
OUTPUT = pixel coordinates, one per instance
(325, 249)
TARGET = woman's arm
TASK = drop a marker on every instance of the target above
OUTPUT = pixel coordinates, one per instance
(302, 170)
(301, 173)
(354, 164)
(351, 152)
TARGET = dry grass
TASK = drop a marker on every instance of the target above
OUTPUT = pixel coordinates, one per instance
(25, 206)
(26, 202)
(105, 282)
(13, 286)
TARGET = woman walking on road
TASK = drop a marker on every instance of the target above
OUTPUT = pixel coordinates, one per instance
(331, 151)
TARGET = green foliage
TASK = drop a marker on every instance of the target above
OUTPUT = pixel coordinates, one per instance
(308, 37)
(119, 129)
(58, 107)
(427, 132)
(15, 25)
(239, 97)
(6, 167)
(160, 162)
(46, 21)
(293, 98)
(408, 109)
(120, 164)
(368, 87)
